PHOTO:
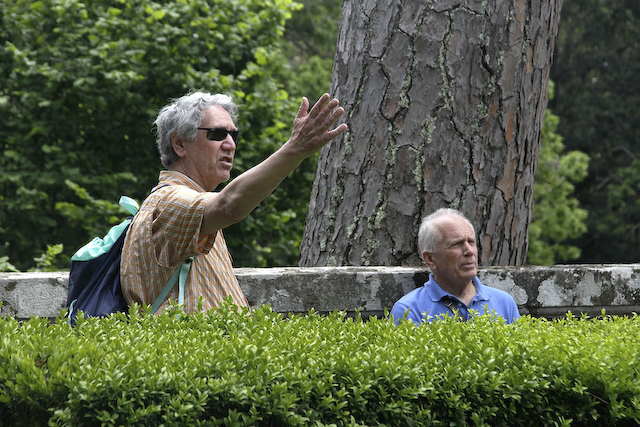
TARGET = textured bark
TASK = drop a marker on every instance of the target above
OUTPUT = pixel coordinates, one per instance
(445, 102)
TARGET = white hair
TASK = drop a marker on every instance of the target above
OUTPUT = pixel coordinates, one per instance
(430, 235)
(183, 116)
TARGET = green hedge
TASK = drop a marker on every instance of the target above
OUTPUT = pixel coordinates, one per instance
(227, 368)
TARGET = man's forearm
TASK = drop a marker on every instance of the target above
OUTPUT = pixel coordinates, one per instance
(247, 191)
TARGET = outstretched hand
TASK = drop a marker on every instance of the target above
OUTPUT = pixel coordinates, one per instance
(312, 128)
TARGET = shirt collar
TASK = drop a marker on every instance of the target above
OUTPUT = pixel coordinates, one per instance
(178, 178)
(436, 293)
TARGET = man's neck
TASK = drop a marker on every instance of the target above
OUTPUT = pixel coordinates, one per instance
(464, 291)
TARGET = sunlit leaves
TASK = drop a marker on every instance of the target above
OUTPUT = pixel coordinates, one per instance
(80, 84)
(229, 367)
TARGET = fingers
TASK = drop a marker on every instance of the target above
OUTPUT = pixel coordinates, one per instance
(337, 131)
(304, 107)
(320, 105)
(326, 112)
(314, 126)
(333, 114)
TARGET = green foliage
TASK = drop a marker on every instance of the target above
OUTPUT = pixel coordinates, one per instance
(557, 216)
(272, 236)
(229, 368)
(621, 220)
(90, 214)
(46, 261)
(80, 85)
(6, 266)
(596, 67)
(311, 37)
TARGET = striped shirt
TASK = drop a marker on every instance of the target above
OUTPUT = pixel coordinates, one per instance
(165, 232)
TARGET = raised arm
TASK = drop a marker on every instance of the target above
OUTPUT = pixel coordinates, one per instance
(311, 132)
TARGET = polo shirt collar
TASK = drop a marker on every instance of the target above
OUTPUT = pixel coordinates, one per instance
(436, 293)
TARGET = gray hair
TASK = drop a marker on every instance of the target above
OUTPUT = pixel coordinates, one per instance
(430, 235)
(183, 116)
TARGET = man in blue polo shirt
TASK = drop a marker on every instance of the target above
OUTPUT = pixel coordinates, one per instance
(447, 243)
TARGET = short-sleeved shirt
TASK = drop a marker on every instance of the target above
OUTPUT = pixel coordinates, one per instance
(165, 232)
(428, 302)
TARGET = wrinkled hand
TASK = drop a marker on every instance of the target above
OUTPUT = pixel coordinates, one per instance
(311, 129)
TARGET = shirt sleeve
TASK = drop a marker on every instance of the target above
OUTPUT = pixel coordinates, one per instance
(398, 312)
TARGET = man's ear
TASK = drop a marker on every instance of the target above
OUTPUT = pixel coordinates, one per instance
(178, 145)
(428, 259)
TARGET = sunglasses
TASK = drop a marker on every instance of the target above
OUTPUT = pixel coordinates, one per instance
(218, 134)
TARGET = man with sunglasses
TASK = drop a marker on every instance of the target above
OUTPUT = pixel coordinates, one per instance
(183, 218)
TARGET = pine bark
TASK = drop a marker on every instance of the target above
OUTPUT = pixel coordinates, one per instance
(445, 103)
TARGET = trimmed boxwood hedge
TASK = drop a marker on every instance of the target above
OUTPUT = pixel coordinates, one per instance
(228, 367)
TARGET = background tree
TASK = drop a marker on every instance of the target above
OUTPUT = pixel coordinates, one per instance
(80, 85)
(445, 106)
(557, 215)
(74, 81)
(596, 69)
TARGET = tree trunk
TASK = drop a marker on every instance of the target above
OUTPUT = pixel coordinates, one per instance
(445, 103)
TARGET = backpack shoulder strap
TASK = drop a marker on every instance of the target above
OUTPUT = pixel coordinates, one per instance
(179, 275)
(129, 204)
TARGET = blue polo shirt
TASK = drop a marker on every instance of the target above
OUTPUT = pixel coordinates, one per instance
(427, 302)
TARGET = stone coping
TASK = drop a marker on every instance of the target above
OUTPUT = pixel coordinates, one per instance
(539, 291)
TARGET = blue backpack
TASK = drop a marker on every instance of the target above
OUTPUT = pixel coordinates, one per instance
(94, 277)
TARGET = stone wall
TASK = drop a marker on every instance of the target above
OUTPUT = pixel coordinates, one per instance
(539, 291)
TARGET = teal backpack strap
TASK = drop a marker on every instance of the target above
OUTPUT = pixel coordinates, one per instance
(129, 204)
(184, 271)
(179, 275)
(99, 246)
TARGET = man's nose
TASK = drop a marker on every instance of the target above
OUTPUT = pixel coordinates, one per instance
(229, 144)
